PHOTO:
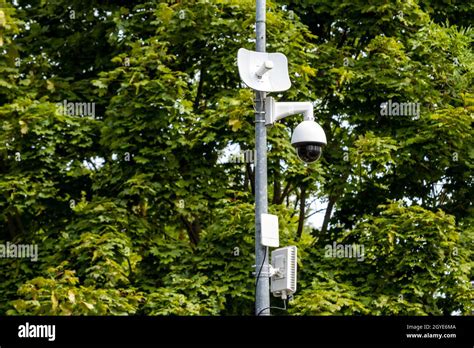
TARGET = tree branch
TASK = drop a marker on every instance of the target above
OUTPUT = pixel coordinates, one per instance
(313, 213)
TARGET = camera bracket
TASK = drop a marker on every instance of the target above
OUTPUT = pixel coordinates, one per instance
(275, 111)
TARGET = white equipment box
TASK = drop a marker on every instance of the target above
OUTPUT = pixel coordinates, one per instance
(284, 261)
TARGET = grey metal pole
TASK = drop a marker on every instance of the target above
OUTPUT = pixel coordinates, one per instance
(262, 291)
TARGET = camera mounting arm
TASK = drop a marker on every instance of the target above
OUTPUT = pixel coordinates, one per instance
(275, 111)
(308, 137)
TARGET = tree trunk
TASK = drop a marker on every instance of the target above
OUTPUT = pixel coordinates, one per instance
(193, 229)
(11, 226)
(197, 99)
(251, 175)
(285, 194)
(276, 187)
(327, 215)
(302, 211)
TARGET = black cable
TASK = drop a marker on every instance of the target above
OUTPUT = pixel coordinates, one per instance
(261, 266)
(283, 309)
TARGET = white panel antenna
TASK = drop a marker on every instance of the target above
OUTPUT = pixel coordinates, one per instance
(269, 234)
(262, 71)
(284, 264)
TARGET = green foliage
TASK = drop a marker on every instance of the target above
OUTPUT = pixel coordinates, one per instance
(61, 294)
(414, 264)
(328, 297)
(186, 296)
(133, 209)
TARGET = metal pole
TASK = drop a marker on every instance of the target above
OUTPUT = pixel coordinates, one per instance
(262, 291)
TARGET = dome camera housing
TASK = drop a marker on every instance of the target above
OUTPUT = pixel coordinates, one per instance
(308, 139)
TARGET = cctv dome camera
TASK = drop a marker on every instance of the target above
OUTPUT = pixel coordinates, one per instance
(308, 139)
